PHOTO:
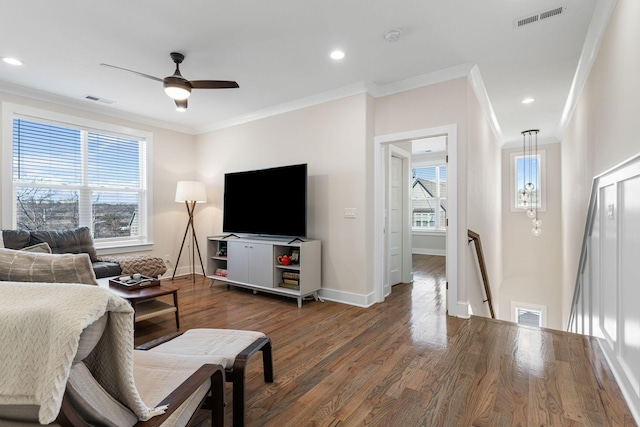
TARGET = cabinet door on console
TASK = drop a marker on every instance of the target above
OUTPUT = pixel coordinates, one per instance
(251, 263)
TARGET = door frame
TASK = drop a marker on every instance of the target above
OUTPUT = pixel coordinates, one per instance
(379, 237)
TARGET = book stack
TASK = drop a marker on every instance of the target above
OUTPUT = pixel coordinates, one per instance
(220, 272)
(290, 280)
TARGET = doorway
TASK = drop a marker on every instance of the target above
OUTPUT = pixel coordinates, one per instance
(380, 235)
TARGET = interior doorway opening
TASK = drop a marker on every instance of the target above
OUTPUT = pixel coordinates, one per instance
(383, 155)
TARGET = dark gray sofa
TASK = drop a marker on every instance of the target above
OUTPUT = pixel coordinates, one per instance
(74, 241)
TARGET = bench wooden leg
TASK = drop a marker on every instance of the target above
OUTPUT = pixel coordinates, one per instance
(237, 375)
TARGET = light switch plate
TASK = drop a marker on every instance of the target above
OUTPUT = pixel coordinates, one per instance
(350, 213)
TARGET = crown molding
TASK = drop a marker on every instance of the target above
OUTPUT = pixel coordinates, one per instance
(477, 84)
(286, 107)
(376, 90)
(43, 96)
(446, 74)
(597, 28)
(371, 88)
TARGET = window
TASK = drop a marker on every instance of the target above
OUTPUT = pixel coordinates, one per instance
(429, 197)
(67, 175)
(525, 170)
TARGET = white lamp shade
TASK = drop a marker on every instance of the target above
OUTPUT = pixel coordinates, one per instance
(191, 191)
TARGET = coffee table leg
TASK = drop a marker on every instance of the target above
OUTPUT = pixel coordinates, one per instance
(175, 303)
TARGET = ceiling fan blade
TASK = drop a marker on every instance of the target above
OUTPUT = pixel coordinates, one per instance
(213, 84)
(134, 72)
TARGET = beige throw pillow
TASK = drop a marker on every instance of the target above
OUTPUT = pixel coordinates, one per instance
(22, 266)
(43, 248)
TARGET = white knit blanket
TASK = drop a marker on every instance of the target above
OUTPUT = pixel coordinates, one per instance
(40, 327)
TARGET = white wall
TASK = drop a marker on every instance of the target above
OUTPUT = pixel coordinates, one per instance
(533, 265)
(603, 130)
(483, 205)
(602, 133)
(426, 243)
(331, 139)
(172, 161)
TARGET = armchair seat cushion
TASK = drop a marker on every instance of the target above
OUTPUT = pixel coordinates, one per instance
(221, 342)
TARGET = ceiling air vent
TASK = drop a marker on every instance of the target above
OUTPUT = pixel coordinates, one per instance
(540, 16)
(98, 99)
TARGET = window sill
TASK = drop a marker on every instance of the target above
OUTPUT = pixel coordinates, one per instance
(428, 232)
(112, 248)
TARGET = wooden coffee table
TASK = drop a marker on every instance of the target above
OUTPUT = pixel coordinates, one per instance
(144, 303)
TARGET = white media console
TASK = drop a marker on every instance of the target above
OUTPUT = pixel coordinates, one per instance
(253, 263)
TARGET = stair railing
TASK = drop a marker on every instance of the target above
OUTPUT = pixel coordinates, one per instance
(475, 238)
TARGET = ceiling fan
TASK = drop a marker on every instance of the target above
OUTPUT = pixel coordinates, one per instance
(177, 87)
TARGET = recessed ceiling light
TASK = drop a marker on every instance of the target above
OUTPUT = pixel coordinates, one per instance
(528, 100)
(12, 61)
(337, 55)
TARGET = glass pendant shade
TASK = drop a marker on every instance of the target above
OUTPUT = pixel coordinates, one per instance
(530, 186)
(525, 203)
(537, 223)
(536, 231)
(531, 213)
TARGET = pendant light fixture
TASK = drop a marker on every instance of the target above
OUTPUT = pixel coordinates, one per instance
(530, 194)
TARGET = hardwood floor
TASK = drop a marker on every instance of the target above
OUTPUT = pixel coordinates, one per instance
(403, 362)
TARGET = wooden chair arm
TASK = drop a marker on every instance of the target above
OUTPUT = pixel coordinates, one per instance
(186, 389)
(69, 418)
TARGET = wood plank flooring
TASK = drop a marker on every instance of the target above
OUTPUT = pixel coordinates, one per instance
(403, 362)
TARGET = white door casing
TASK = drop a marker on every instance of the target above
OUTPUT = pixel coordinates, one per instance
(379, 249)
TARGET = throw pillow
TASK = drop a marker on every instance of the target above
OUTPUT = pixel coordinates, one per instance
(75, 241)
(15, 239)
(40, 247)
(22, 266)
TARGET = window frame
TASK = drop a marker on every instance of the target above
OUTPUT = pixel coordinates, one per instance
(429, 161)
(513, 184)
(12, 111)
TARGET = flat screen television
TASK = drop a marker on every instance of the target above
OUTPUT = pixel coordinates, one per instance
(269, 202)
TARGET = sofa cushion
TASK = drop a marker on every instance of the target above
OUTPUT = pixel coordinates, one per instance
(15, 239)
(74, 241)
(21, 266)
(106, 269)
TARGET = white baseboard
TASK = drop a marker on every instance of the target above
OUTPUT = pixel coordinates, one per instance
(349, 298)
(424, 251)
(463, 310)
(627, 389)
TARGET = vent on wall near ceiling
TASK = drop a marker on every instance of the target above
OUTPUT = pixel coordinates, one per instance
(537, 17)
(98, 99)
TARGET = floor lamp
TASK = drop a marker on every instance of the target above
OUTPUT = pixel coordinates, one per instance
(190, 192)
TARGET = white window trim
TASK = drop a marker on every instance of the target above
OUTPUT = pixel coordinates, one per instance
(543, 181)
(515, 305)
(11, 110)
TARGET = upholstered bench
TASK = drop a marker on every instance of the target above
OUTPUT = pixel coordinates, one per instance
(235, 346)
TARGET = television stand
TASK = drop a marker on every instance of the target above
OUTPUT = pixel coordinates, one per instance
(253, 264)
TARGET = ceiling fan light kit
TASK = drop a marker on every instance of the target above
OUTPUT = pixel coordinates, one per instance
(177, 87)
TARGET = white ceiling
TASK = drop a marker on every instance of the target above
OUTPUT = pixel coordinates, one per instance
(278, 52)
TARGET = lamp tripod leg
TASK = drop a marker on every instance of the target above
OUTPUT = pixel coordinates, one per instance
(184, 238)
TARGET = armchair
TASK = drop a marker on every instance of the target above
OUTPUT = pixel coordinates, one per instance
(67, 359)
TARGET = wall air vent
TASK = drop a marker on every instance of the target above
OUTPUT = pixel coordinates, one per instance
(98, 99)
(540, 16)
